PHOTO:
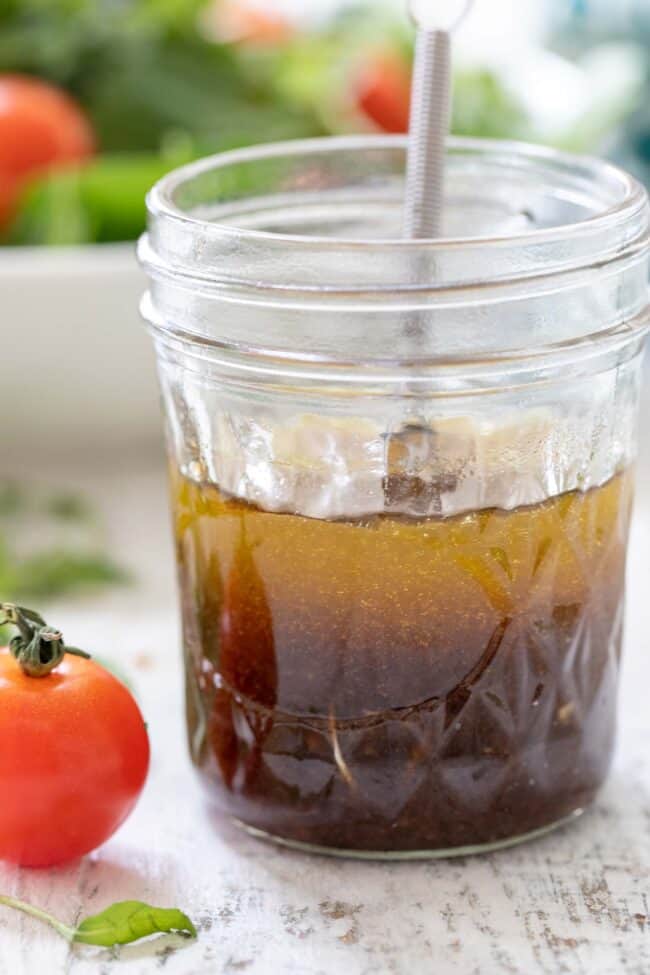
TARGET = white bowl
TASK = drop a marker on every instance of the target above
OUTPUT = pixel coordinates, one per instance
(77, 366)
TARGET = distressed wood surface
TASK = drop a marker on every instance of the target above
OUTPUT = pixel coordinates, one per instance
(575, 902)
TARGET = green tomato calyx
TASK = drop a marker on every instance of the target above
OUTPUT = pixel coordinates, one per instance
(37, 647)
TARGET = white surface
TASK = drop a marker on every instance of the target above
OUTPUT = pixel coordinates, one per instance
(575, 902)
(493, 23)
(445, 15)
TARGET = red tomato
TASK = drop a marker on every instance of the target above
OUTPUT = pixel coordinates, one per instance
(383, 92)
(74, 755)
(41, 127)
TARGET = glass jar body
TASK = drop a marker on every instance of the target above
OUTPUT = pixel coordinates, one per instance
(403, 575)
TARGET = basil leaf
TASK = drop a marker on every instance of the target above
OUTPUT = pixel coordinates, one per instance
(128, 921)
(119, 924)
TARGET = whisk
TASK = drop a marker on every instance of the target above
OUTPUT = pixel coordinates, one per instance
(430, 113)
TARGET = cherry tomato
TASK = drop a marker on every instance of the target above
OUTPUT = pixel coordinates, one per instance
(383, 92)
(74, 755)
(41, 127)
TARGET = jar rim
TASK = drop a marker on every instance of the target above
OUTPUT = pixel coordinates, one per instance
(633, 198)
(333, 300)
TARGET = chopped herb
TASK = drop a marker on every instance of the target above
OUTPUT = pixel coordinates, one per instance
(57, 573)
(11, 499)
(68, 507)
(65, 562)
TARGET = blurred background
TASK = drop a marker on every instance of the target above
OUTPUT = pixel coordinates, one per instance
(99, 98)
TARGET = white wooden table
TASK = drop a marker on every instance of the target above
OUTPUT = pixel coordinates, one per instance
(576, 902)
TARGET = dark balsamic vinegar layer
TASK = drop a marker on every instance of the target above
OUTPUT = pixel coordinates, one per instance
(395, 685)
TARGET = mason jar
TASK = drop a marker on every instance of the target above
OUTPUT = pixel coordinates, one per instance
(401, 476)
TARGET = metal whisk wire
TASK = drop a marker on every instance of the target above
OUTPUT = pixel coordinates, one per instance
(430, 115)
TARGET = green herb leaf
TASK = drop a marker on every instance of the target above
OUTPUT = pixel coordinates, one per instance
(68, 507)
(120, 924)
(130, 921)
(70, 562)
(12, 499)
(56, 572)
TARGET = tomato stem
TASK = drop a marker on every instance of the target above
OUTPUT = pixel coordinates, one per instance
(63, 929)
(37, 647)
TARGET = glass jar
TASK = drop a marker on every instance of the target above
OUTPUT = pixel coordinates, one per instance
(401, 477)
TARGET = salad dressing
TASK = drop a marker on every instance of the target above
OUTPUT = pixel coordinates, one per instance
(390, 683)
